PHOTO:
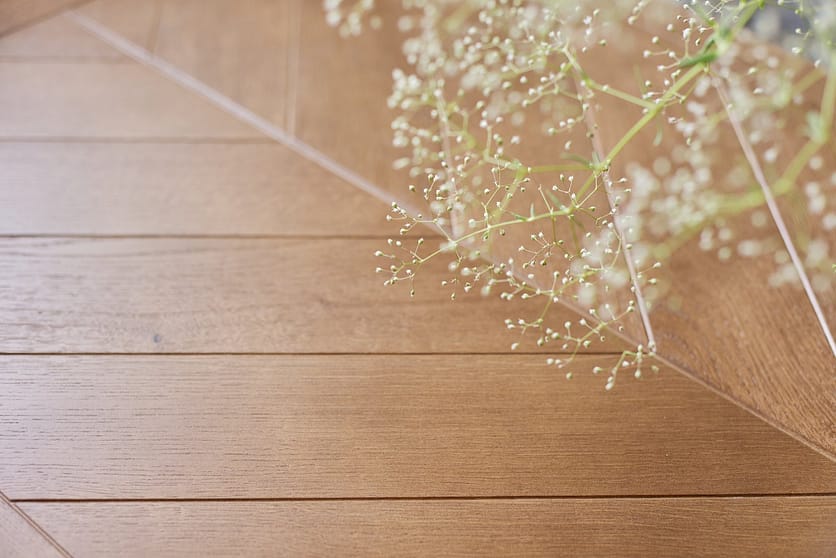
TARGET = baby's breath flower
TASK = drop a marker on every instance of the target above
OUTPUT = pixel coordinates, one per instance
(498, 112)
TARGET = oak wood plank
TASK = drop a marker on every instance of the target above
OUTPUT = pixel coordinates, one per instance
(240, 48)
(103, 188)
(744, 527)
(114, 427)
(309, 295)
(105, 100)
(55, 38)
(20, 537)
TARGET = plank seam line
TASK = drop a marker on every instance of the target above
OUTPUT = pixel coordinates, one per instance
(305, 150)
(429, 498)
(4, 500)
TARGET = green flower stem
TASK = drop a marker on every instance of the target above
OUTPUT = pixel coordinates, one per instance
(474, 234)
(666, 98)
(624, 96)
(592, 84)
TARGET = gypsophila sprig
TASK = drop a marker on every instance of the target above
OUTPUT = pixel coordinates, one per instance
(501, 112)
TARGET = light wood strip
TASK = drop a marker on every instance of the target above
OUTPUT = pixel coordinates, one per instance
(16, 14)
(20, 537)
(177, 189)
(55, 38)
(233, 295)
(134, 20)
(709, 527)
(119, 427)
(237, 47)
(105, 100)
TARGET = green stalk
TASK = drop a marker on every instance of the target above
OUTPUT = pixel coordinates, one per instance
(652, 113)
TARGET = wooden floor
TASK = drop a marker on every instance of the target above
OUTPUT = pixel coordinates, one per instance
(198, 360)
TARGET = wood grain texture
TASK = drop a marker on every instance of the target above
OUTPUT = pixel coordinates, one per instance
(20, 537)
(55, 38)
(236, 295)
(758, 343)
(136, 20)
(709, 527)
(376, 426)
(308, 426)
(105, 100)
(16, 14)
(240, 48)
(177, 189)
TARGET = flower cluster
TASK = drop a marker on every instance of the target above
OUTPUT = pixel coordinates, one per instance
(554, 176)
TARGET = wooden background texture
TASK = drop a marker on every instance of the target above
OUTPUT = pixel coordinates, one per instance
(197, 358)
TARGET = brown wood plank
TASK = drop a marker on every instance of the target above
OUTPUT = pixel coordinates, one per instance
(55, 38)
(20, 537)
(179, 189)
(136, 21)
(239, 48)
(16, 14)
(745, 527)
(759, 344)
(105, 100)
(237, 295)
(295, 426)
